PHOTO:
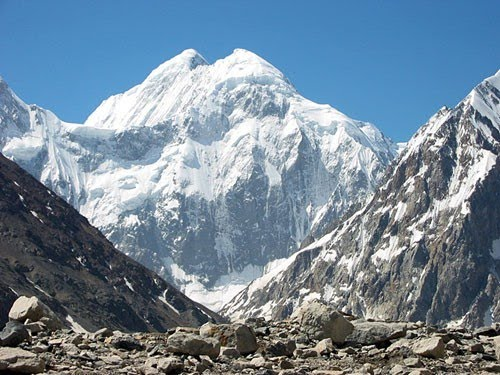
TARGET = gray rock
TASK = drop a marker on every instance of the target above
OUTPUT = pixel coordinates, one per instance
(190, 343)
(13, 334)
(259, 363)
(397, 369)
(325, 346)
(102, 333)
(496, 346)
(421, 371)
(239, 336)
(32, 308)
(170, 365)
(35, 327)
(126, 342)
(51, 321)
(229, 352)
(476, 348)
(286, 365)
(432, 347)
(21, 361)
(280, 348)
(413, 362)
(369, 333)
(493, 368)
(489, 331)
(320, 321)
(305, 353)
(27, 308)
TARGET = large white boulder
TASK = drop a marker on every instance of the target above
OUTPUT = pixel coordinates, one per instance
(35, 310)
(320, 321)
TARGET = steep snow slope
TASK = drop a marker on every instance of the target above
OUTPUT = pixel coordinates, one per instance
(204, 173)
(426, 247)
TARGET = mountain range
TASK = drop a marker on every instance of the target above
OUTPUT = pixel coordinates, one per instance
(205, 173)
(425, 247)
(214, 175)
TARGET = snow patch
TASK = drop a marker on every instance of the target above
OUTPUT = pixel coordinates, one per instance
(75, 326)
(129, 285)
(163, 298)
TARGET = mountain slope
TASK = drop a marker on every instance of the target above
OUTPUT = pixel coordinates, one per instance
(205, 172)
(426, 247)
(49, 250)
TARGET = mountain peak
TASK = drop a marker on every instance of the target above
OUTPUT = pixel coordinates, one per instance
(187, 60)
(245, 54)
(192, 57)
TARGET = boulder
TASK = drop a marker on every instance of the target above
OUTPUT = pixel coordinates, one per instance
(229, 352)
(372, 333)
(320, 321)
(239, 336)
(496, 345)
(489, 331)
(432, 347)
(13, 334)
(102, 333)
(192, 344)
(170, 365)
(280, 348)
(126, 342)
(15, 360)
(325, 346)
(35, 327)
(35, 310)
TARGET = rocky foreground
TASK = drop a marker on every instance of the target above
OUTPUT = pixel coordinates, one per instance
(316, 340)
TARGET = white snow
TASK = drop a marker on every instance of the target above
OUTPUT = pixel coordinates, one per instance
(37, 216)
(221, 293)
(81, 260)
(208, 128)
(37, 287)
(457, 323)
(129, 285)
(75, 326)
(163, 298)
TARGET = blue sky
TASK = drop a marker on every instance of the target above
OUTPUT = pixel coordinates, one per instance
(393, 63)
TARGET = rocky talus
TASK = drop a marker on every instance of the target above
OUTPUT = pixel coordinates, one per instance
(316, 340)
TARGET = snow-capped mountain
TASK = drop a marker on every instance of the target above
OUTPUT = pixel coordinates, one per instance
(203, 172)
(426, 247)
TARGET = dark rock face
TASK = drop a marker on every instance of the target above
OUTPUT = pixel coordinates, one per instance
(50, 251)
(13, 334)
(426, 247)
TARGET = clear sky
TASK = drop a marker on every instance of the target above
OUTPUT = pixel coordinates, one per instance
(393, 63)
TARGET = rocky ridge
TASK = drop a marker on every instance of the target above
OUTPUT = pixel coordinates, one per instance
(427, 245)
(262, 347)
